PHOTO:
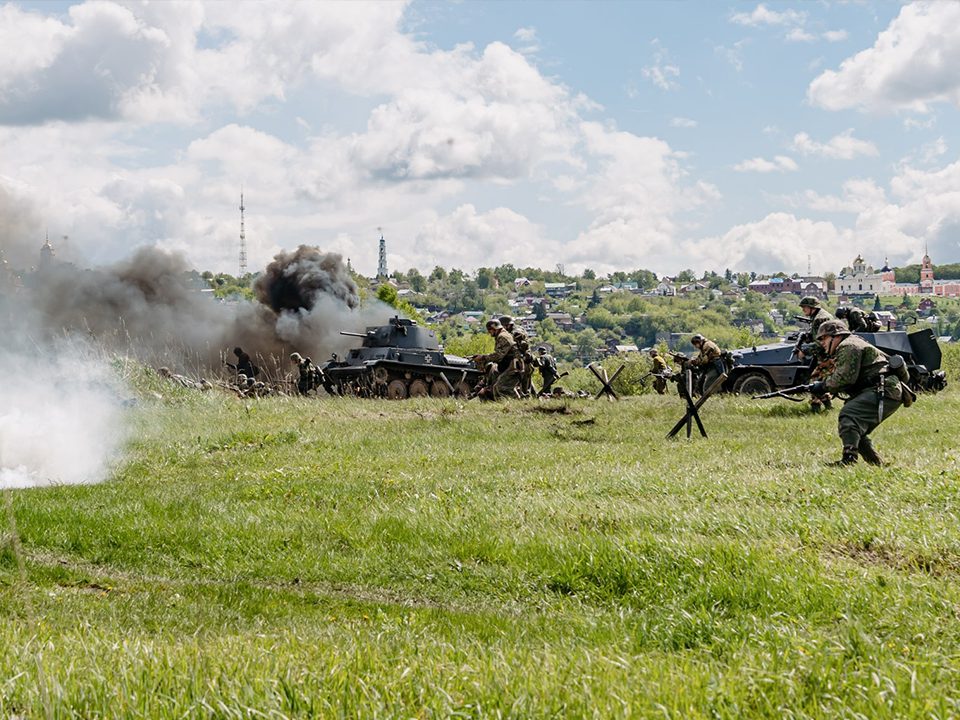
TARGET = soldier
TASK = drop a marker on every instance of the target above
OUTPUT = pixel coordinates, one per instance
(807, 347)
(308, 373)
(855, 317)
(708, 362)
(660, 370)
(244, 364)
(186, 382)
(548, 369)
(523, 352)
(502, 377)
(860, 372)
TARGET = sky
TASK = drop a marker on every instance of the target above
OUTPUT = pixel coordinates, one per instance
(663, 135)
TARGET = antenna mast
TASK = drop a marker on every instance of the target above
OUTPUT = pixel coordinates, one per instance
(243, 242)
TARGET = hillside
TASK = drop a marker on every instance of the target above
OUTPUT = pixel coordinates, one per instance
(345, 558)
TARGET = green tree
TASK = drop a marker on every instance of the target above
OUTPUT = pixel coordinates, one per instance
(876, 303)
(589, 274)
(438, 274)
(540, 311)
(485, 278)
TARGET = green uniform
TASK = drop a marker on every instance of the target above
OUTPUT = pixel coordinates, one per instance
(548, 371)
(708, 362)
(812, 349)
(856, 374)
(503, 378)
(856, 320)
(308, 376)
(523, 352)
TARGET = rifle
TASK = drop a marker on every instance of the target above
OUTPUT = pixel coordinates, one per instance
(665, 376)
(679, 357)
(802, 318)
(787, 392)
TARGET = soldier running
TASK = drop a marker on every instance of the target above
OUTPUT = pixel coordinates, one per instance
(501, 378)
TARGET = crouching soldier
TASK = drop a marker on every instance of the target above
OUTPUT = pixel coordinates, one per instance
(308, 373)
(503, 376)
(874, 392)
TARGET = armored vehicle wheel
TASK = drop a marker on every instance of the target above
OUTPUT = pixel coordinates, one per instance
(418, 388)
(753, 383)
(463, 389)
(397, 390)
(439, 389)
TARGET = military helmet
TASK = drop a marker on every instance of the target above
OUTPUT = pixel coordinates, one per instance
(506, 320)
(810, 301)
(542, 349)
(832, 328)
(295, 357)
(493, 324)
(842, 312)
(653, 352)
(241, 378)
(697, 338)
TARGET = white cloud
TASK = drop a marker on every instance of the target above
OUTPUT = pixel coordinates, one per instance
(835, 35)
(683, 122)
(800, 35)
(911, 66)
(528, 36)
(780, 163)
(733, 55)
(661, 73)
(842, 147)
(762, 15)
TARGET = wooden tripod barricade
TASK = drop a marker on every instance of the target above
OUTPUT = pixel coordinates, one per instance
(607, 383)
(683, 385)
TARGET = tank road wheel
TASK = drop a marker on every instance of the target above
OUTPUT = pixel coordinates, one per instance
(753, 383)
(397, 390)
(463, 389)
(439, 389)
(418, 388)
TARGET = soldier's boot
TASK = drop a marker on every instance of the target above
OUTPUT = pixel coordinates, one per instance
(849, 457)
(868, 453)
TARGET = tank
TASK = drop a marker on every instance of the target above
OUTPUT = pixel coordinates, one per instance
(397, 361)
(766, 368)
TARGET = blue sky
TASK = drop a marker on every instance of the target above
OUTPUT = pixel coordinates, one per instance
(609, 135)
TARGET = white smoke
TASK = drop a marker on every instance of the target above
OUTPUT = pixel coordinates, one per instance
(59, 416)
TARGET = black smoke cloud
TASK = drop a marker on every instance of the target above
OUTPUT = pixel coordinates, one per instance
(146, 307)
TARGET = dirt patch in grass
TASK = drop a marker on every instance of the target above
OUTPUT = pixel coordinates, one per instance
(938, 562)
(555, 410)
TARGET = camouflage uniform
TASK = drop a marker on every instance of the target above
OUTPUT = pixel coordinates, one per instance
(819, 363)
(548, 371)
(857, 372)
(503, 378)
(856, 319)
(708, 363)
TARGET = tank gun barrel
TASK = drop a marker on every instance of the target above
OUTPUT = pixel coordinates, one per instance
(353, 334)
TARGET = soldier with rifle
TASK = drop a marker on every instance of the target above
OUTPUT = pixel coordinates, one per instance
(309, 373)
(708, 363)
(808, 347)
(502, 378)
(244, 365)
(548, 369)
(659, 370)
(523, 352)
(874, 386)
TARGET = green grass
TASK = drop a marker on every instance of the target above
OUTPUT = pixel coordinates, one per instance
(347, 558)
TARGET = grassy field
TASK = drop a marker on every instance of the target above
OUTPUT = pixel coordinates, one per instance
(343, 558)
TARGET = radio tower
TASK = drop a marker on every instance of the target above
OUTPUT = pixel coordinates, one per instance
(243, 242)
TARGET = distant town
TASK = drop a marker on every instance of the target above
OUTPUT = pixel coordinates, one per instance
(582, 317)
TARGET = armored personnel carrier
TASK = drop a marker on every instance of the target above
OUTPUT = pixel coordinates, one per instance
(397, 361)
(765, 368)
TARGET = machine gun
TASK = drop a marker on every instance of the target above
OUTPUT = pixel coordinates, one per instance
(786, 393)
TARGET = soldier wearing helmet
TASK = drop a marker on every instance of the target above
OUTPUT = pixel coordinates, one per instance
(660, 370)
(855, 318)
(527, 362)
(548, 369)
(501, 378)
(309, 373)
(708, 362)
(859, 373)
(808, 349)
